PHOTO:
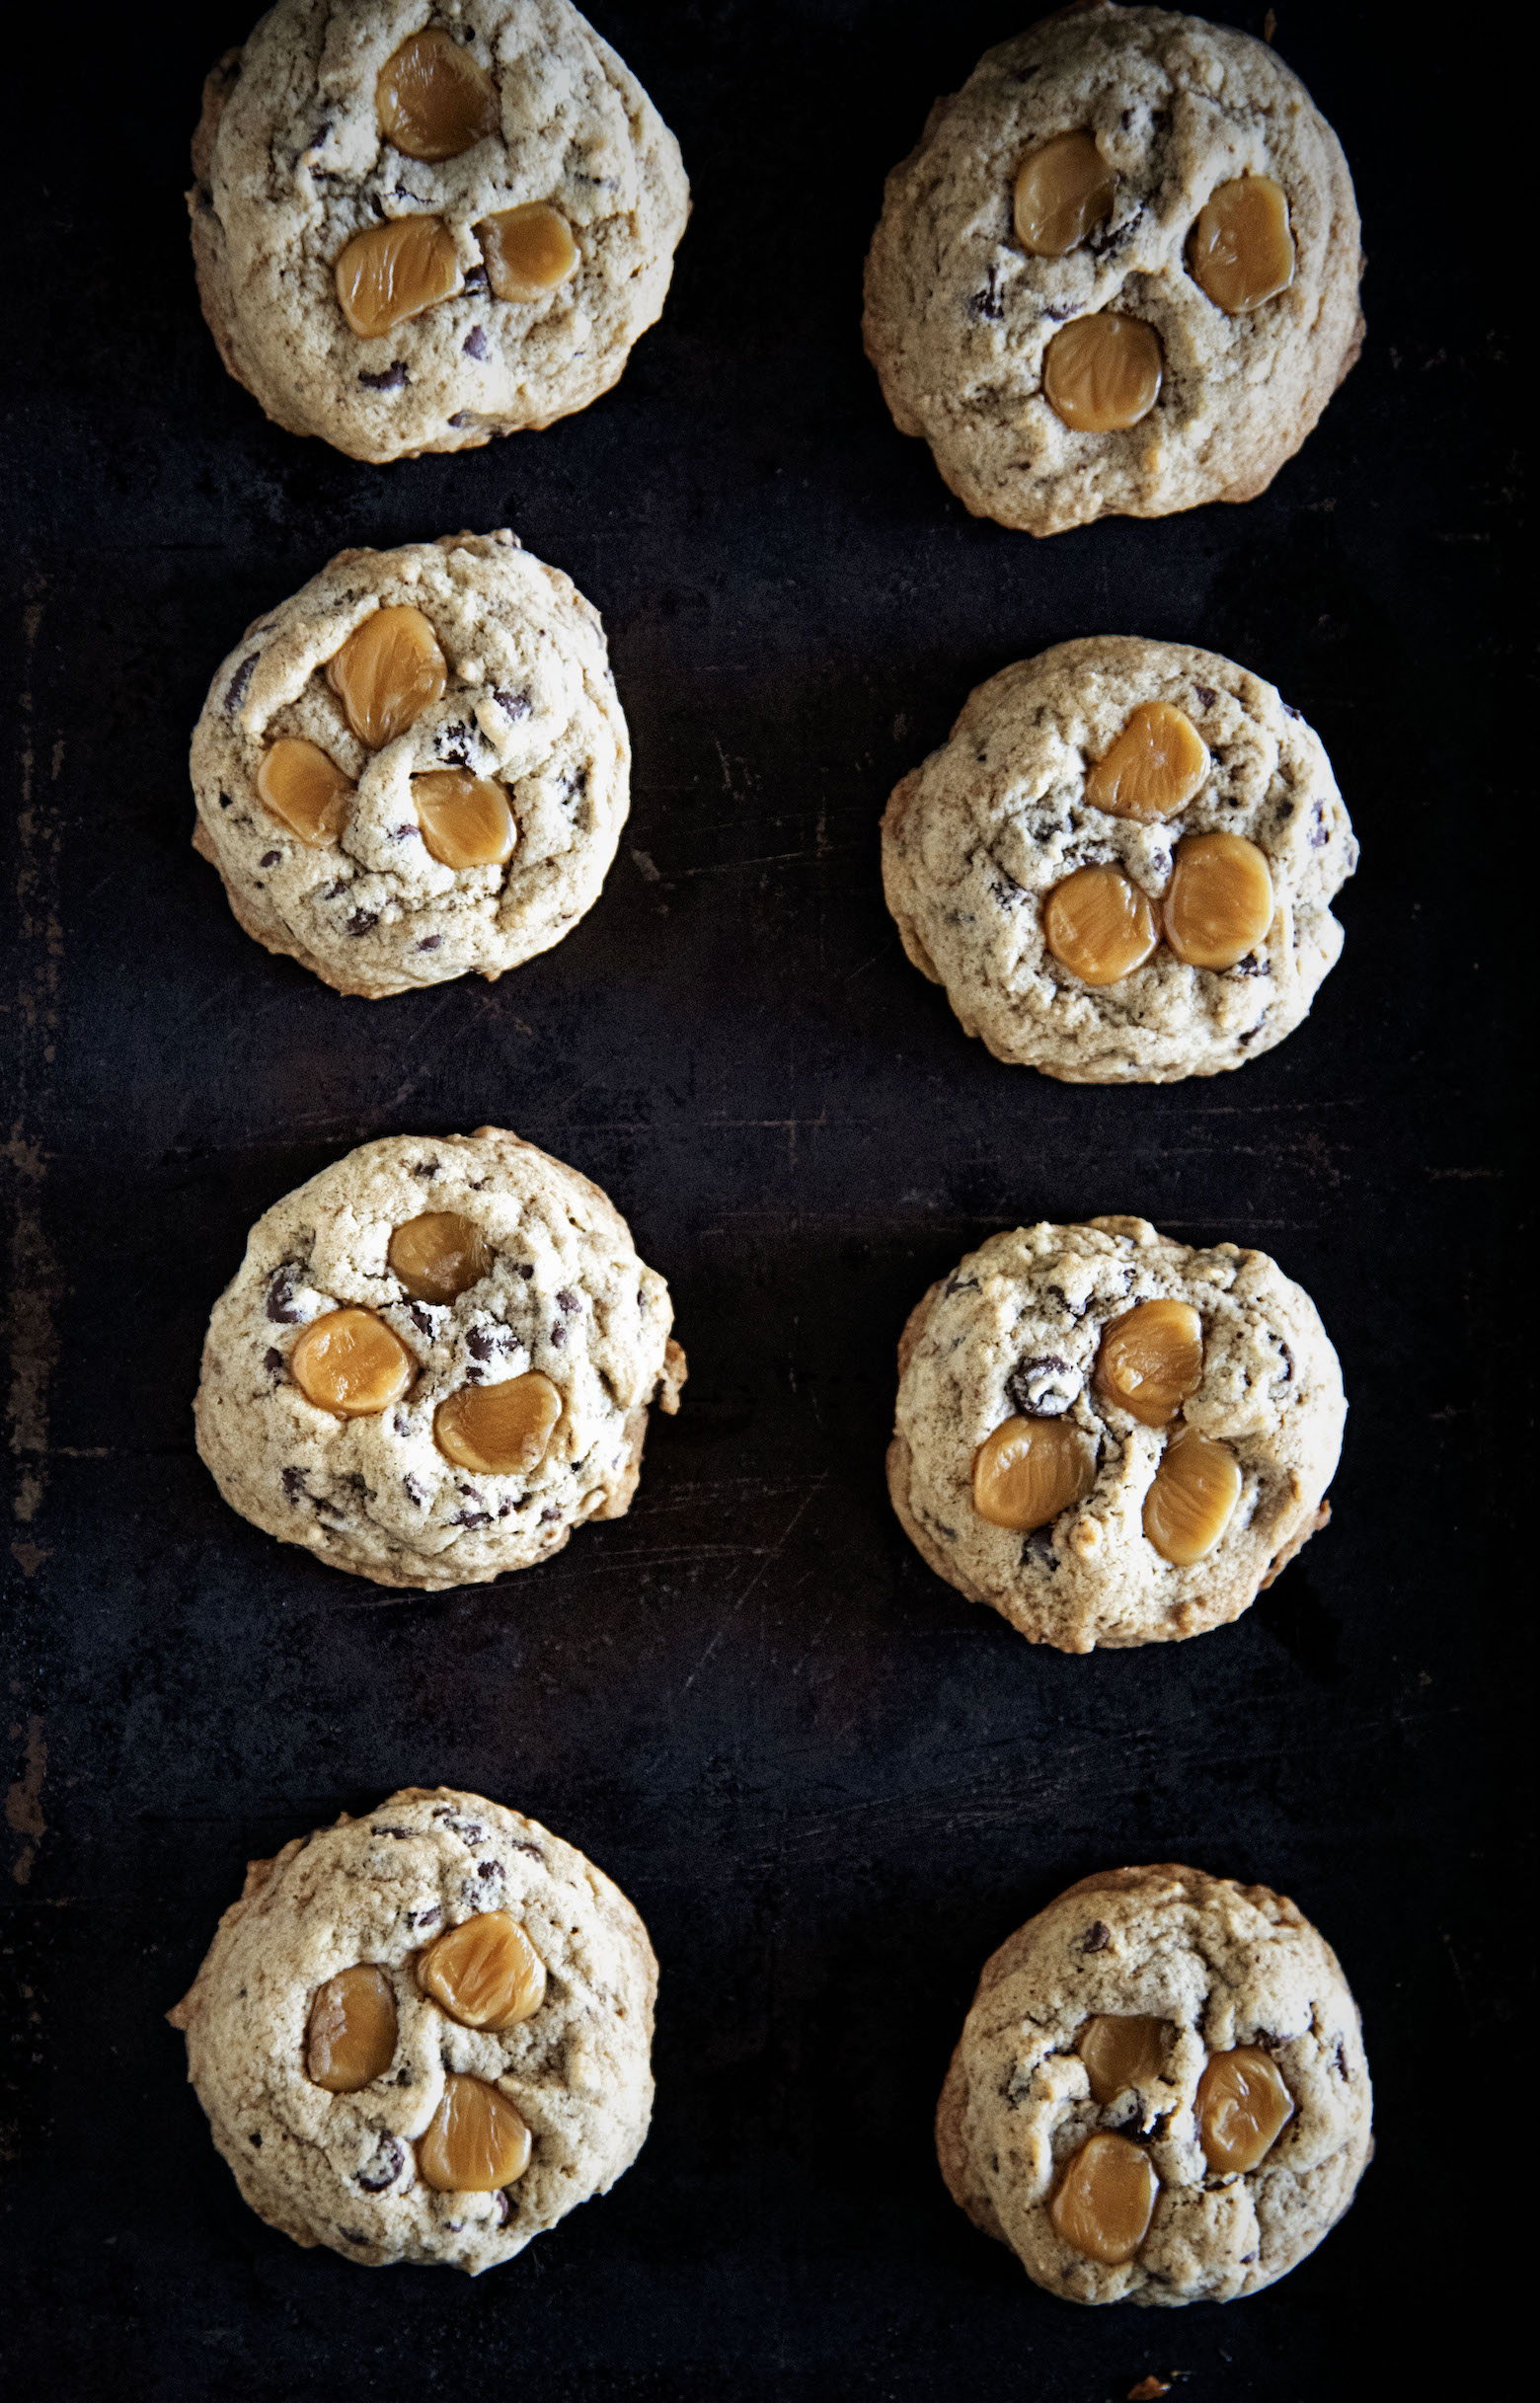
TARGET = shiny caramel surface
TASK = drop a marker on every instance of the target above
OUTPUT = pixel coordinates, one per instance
(1151, 1358)
(350, 2034)
(1105, 2199)
(465, 820)
(392, 272)
(1119, 2053)
(387, 672)
(1218, 904)
(484, 1973)
(529, 251)
(1153, 769)
(475, 2141)
(1029, 1470)
(350, 1364)
(438, 1256)
(1103, 373)
(1241, 250)
(431, 99)
(306, 789)
(1062, 190)
(504, 1430)
(1193, 1497)
(1098, 925)
(1243, 2108)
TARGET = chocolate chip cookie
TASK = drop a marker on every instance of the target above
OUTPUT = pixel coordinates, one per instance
(1119, 273)
(1160, 2094)
(416, 227)
(435, 1359)
(424, 2035)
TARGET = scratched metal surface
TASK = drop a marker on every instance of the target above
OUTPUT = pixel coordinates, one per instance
(830, 1785)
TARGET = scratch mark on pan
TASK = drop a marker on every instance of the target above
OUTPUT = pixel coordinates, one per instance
(770, 1558)
(24, 1802)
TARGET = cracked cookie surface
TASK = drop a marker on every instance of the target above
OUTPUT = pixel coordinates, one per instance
(344, 2168)
(562, 1299)
(1218, 1968)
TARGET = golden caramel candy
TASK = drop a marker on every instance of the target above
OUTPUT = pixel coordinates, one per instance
(350, 1364)
(1105, 2199)
(1101, 373)
(475, 2140)
(501, 1431)
(1151, 1358)
(486, 1973)
(387, 672)
(1239, 250)
(465, 820)
(438, 1256)
(432, 100)
(1120, 2052)
(350, 2037)
(529, 251)
(1243, 2108)
(1218, 904)
(299, 784)
(392, 272)
(1153, 769)
(1061, 192)
(1192, 1499)
(1100, 925)
(1031, 1469)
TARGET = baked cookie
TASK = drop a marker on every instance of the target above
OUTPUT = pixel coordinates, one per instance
(435, 1361)
(1160, 2094)
(1121, 863)
(1120, 275)
(416, 226)
(424, 2035)
(1111, 1437)
(416, 766)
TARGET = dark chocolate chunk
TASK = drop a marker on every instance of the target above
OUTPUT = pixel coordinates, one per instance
(488, 1868)
(272, 1362)
(270, 859)
(1206, 696)
(1097, 1937)
(430, 943)
(478, 1343)
(256, 2139)
(362, 921)
(475, 344)
(389, 379)
(558, 1335)
(238, 684)
(567, 1302)
(514, 704)
(384, 2169)
(426, 1168)
(294, 1485)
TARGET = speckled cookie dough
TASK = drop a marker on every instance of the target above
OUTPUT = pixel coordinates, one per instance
(515, 2055)
(1111, 1437)
(1119, 273)
(435, 1359)
(980, 842)
(417, 767)
(414, 228)
(1160, 2094)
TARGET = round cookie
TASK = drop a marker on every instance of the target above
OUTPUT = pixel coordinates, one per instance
(1111, 1437)
(1158, 2037)
(435, 1359)
(483, 182)
(988, 289)
(1142, 762)
(333, 1965)
(416, 767)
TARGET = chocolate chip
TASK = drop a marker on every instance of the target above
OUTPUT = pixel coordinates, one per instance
(383, 2170)
(1254, 965)
(504, 2206)
(430, 943)
(558, 1335)
(471, 1519)
(567, 1302)
(389, 379)
(962, 1285)
(272, 1362)
(353, 2235)
(401, 1833)
(399, 1423)
(238, 684)
(419, 1318)
(524, 1272)
(425, 1918)
(488, 1868)
(400, 835)
(294, 1485)
(462, 416)
(474, 345)
(547, 1515)
(1320, 833)
(478, 1343)
(1043, 1388)
(225, 801)
(257, 2140)
(1038, 1550)
(514, 704)
(505, 1510)
(475, 279)
(426, 1168)
(1097, 1937)
(988, 302)
(1207, 697)
(320, 134)
(534, 1849)
(415, 1491)
(454, 741)
(362, 921)
(1290, 712)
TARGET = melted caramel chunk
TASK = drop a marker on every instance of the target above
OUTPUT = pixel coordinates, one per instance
(438, 1254)
(350, 1364)
(475, 2140)
(432, 100)
(1192, 1499)
(1151, 1358)
(500, 1429)
(1154, 767)
(387, 672)
(1031, 1469)
(1061, 192)
(1239, 250)
(529, 251)
(1101, 373)
(1243, 2108)
(1105, 2199)
(299, 784)
(1218, 904)
(465, 820)
(390, 273)
(1120, 2052)
(486, 1973)
(351, 2038)
(1098, 925)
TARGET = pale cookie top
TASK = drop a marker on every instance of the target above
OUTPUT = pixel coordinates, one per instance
(1207, 1979)
(471, 741)
(1020, 1395)
(1200, 398)
(360, 2169)
(979, 844)
(473, 322)
(435, 1359)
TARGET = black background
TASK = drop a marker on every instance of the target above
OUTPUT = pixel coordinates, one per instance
(829, 1784)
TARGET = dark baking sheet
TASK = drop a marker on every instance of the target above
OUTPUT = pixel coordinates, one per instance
(830, 1785)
